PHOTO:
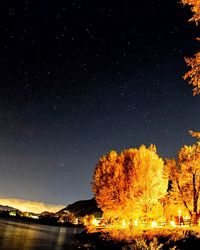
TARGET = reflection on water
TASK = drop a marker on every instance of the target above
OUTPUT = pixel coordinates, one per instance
(24, 236)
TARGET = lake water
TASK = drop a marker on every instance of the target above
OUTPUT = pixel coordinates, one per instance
(24, 236)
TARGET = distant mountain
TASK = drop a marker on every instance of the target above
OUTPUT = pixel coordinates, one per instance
(82, 208)
(7, 208)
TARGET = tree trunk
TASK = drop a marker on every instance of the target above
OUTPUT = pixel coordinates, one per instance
(184, 203)
(194, 219)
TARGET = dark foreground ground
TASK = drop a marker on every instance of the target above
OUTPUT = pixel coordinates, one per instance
(185, 239)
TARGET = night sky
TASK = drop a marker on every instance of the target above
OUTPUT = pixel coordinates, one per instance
(80, 78)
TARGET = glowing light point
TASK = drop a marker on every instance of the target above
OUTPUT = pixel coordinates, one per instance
(136, 223)
(124, 225)
(154, 224)
(172, 223)
(95, 222)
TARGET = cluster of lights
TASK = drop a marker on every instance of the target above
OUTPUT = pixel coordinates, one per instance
(124, 224)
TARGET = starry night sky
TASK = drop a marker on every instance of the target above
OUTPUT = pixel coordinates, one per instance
(80, 78)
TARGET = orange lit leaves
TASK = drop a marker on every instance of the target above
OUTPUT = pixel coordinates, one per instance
(195, 134)
(193, 75)
(195, 8)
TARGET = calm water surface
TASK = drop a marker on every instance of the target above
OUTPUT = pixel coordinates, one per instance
(24, 236)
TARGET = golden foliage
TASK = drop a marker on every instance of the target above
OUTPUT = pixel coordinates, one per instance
(195, 8)
(130, 184)
(193, 75)
(195, 134)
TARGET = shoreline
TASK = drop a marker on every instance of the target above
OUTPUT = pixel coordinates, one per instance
(26, 220)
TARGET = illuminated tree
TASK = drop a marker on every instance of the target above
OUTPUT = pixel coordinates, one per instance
(150, 186)
(129, 184)
(173, 201)
(187, 185)
(110, 182)
(193, 75)
(185, 176)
